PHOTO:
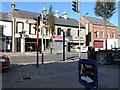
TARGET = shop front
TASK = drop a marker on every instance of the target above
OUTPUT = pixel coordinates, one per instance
(98, 43)
(58, 44)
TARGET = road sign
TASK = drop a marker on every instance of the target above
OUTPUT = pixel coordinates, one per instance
(88, 73)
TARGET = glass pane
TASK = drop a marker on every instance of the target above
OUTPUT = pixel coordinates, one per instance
(32, 29)
(19, 27)
(2, 59)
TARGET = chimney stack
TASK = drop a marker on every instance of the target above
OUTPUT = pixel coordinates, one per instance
(57, 14)
(65, 15)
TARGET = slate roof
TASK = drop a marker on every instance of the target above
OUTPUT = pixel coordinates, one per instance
(5, 16)
(24, 14)
(67, 22)
(58, 21)
(98, 21)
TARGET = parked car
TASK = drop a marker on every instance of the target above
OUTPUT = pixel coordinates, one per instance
(116, 55)
(85, 50)
(4, 62)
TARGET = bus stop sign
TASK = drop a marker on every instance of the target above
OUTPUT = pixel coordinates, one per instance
(88, 73)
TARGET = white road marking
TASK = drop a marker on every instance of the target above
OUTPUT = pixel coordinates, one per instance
(89, 80)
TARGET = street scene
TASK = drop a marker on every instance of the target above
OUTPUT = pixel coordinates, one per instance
(48, 45)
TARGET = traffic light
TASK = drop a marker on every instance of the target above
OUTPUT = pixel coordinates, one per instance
(44, 19)
(38, 20)
(75, 6)
(37, 23)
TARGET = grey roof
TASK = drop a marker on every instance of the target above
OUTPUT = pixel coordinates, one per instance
(58, 21)
(24, 14)
(5, 16)
(67, 22)
(98, 21)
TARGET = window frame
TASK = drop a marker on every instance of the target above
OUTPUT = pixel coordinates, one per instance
(97, 34)
(113, 34)
(108, 35)
(30, 29)
(58, 31)
(17, 24)
(78, 33)
(68, 32)
(103, 34)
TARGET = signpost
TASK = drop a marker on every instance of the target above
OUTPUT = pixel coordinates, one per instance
(88, 73)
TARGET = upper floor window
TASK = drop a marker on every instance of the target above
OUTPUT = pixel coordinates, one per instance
(19, 27)
(103, 34)
(108, 35)
(97, 34)
(78, 32)
(31, 29)
(113, 34)
(58, 31)
(68, 32)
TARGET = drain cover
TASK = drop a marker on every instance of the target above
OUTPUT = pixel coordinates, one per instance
(27, 78)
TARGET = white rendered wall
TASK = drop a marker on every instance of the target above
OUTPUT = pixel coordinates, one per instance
(7, 29)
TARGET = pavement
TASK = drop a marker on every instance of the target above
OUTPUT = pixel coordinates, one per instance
(19, 53)
(29, 53)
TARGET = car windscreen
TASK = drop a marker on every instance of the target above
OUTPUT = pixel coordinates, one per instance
(2, 59)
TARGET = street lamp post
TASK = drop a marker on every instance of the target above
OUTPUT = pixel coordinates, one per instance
(79, 37)
(43, 29)
(14, 27)
(79, 29)
(87, 29)
(63, 45)
(76, 8)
